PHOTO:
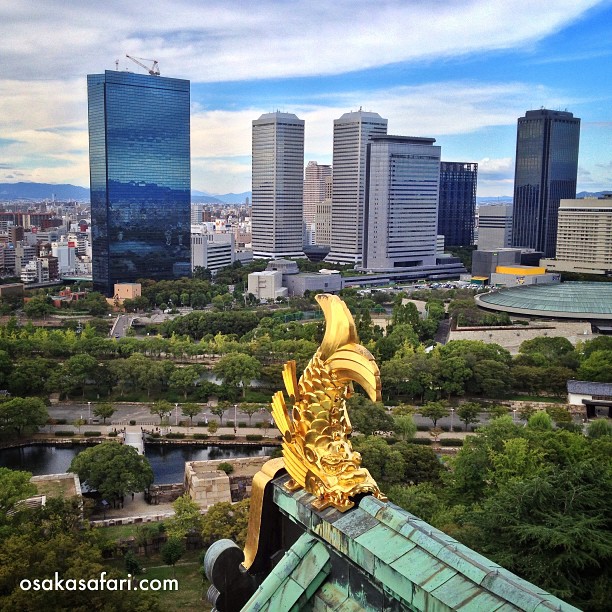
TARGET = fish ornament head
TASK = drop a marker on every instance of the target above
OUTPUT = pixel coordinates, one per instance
(316, 431)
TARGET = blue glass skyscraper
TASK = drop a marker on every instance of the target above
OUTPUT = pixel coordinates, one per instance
(139, 160)
(457, 207)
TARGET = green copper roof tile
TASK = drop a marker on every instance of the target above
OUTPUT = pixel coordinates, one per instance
(476, 569)
(385, 543)
(286, 596)
(461, 594)
(355, 522)
(422, 569)
(371, 505)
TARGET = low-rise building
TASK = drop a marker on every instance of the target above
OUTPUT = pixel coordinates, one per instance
(595, 397)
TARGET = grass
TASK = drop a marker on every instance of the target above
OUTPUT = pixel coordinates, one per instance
(191, 586)
(119, 532)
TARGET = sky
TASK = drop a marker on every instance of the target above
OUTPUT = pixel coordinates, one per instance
(461, 71)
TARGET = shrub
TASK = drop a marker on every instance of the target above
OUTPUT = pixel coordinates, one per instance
(451, 442)
(60, 421)
(258, 425)
(202, 424)
(229, 423)
(132, 422)
(227, 437)
(422, 427)
(92, 434)
(174, 435)
(254, 437)
(242, 424)
(228, 468)
(200, 436)
(425, 441)
(112, 434)
(61, 433)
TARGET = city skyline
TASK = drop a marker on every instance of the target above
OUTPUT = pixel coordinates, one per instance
(460, 72)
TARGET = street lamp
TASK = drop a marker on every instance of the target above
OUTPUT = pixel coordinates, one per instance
(514, 415)
(452, 415)
(176, 413)
(88, 412)
(235, 417)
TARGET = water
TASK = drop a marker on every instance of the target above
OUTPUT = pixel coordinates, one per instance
(167, 461)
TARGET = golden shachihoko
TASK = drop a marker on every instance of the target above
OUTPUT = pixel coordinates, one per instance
(316, 431)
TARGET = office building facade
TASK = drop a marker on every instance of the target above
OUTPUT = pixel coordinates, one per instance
(278, 185)
(139, 159)
(584, 237)
(401, 218)
(316, 179)
(352, 133)
(546, 171)
(457, 207)
(494, 226)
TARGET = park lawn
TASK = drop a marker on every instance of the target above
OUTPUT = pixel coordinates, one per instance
(191, 588)
(120, 532)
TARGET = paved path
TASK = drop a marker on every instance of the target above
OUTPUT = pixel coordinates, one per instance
(134, 438)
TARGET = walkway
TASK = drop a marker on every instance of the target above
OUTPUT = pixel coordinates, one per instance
(134, 438)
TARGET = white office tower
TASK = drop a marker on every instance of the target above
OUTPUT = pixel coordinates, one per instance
(494, 226)
(402, 193)
(278, 185)
(316, 177)
(352, 132)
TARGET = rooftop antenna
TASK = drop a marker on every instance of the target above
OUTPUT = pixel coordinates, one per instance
(153, 71)
(116, 64)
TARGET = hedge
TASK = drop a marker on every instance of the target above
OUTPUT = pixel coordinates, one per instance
(227, 437)
(451, 442)
(174, 436)
(92, 434)
(65, 433)
(424, 441)
(200, 436)
(112, 434)
(254, 437)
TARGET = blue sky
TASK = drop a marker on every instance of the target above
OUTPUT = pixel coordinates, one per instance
(460, 71)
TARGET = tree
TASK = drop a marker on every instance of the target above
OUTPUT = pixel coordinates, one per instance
(131, 564)
(14, 486)
(226, 520)
(601, 428)
(172, 551)
(213, 427)
(219, 409)
(597, 367)
(162, 409)
(237, 369)
(541, 421)
(250, 410)
(187, 517)
(367, 416)
(434, 411)
(22, 415)
(78, 423)
(184, 379)
(104, 411)
(113, 469)
(404, 426)
(468, 413)
(190, 410)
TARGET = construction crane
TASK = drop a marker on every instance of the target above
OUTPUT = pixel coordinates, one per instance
(153, 71)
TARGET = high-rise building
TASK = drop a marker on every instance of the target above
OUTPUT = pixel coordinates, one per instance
(139, 162)
(401, 216)
(352, 132)
(584, 242)
(546, 171)
(457, 207)
(494, 226)
(316, 179)
(278, 185)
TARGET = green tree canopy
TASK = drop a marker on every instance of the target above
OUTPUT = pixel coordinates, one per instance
(237, 369)
(367, 416)
(113, 469)
(22, 415)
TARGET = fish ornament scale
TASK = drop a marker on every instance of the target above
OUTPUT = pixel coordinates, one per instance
(316, 431)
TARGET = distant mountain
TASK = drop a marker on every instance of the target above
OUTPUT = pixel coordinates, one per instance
(591, 194)
(492, 199)
(205, 199)
(42, 191)
(234, 198)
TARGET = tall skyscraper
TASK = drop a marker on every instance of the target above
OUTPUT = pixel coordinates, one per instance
(278, 185)
(316, 178)
(494, 226)
(352, 132)
(139, 163)
(401, 217)
(457, 208)
(546, 171)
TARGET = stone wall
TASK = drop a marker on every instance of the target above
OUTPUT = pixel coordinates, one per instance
(207, 485)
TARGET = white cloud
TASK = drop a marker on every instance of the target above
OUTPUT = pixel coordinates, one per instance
(219, 40)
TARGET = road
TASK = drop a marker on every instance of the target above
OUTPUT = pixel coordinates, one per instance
(126, 412)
